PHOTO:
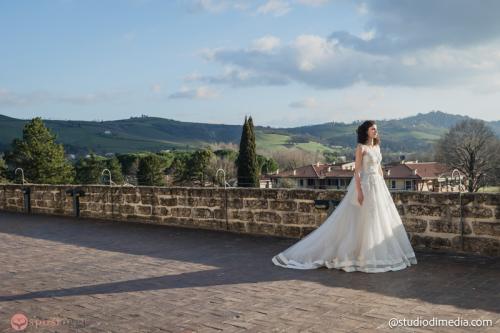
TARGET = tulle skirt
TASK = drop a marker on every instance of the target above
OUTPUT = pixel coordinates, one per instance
(368, 238)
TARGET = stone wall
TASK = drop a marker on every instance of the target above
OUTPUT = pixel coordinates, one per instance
(432, 220)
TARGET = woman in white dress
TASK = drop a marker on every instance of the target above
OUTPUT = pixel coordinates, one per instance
(365, 232)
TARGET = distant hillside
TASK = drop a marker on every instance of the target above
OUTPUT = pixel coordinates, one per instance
(406, 135)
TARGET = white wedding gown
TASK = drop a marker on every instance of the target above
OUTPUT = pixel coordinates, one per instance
(369, 237)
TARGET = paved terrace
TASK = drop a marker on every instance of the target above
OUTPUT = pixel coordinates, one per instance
(105, 276)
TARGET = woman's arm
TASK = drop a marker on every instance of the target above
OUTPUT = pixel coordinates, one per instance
(357, 166)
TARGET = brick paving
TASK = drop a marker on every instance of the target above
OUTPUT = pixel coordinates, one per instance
(106, 276)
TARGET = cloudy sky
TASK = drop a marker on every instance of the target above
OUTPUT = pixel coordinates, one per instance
(285, 62)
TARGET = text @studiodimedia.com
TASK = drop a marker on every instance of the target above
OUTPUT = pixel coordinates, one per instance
(439, 322)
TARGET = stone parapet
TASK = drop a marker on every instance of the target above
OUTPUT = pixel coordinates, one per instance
(468, 223)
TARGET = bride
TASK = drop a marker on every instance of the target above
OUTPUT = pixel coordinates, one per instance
(365, 232)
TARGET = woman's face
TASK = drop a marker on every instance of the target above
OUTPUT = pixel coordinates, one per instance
(372, 131)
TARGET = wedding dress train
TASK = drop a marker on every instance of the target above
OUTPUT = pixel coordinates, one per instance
(369, 237)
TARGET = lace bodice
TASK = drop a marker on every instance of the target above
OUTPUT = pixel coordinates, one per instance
(371, 159)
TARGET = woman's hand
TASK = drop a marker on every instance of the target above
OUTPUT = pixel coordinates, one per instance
(360, 197)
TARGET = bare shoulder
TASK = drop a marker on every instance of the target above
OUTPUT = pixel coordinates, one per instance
(360, 148)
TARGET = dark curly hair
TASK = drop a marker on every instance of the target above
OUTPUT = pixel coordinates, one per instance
(362, 132)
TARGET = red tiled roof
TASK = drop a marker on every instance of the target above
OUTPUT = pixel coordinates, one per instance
(424, 170)
(429, 169)
(399, 171)
(316, 171)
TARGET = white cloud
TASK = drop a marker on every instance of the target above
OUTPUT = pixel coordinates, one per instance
(362, 8)
(326, 63)
(156, 88)
(367, 35)
(209, 5)
(202, 92)
(275, 7)
(10, 98)
(266, 44)
(218, 6)
(308, 103)
(314, 3)
(238, 77)
(402, 26)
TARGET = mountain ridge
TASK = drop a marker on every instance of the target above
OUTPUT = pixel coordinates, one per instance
(407, 134)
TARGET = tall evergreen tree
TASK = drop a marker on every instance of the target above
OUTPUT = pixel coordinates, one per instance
(248, 175)
(150, 172)
(41, 158)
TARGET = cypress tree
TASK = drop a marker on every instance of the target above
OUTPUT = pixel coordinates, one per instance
(247, 158)
(254, 169)
(41, 158)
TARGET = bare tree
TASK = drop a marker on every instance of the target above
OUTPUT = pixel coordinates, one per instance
(471, 147)
(292, 158)
(226, 164)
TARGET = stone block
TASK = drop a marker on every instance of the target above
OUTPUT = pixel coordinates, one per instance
(425, 210)
(307, 219)
(447, 226)
(160, 211)
(219, 213)
(180, 212)
(414, 224)
(235, 203)
(203, 213)
(168, 201)
(486, 228)
(255, 203)
(284, 205)
(430, 242)
(270, 217)
(126, 209)
(243, 215)
(211, 202)
(261, 228)
(132, 198)
(237, 226)
(306, 207)
(482, 245)
(287, 230)
(290, 218)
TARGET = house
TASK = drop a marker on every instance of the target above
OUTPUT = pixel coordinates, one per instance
(420, 176)
(265, 182)
(402, 176)
(319, 176)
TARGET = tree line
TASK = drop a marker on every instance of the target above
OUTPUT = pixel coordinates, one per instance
(470, 146)
(44, 161)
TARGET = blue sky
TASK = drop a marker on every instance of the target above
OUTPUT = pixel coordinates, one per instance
(285, 62)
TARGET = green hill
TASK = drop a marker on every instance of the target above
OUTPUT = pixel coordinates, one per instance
(410, 134)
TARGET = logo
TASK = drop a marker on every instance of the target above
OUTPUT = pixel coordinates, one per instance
(19, 322)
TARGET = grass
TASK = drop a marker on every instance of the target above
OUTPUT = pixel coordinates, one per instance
(489, 189)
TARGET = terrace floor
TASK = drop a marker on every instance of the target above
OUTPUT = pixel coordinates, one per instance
(106, 276)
